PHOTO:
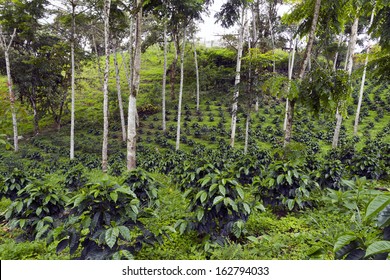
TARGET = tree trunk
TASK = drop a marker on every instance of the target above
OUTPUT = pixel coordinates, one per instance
(248, 117)
(107, 5)
(72, 108)
(119, 92)
(237, 79)
(255, 12)
(6, 48)
(272, 40)
(197, 75)
(164, 81)
(35, 112)
(336, 56)
(306, 58)
(132, 113)
(348, 67)
(355, 127)
(290, 72)
(180, 91)
(174, 66)
(290, 116)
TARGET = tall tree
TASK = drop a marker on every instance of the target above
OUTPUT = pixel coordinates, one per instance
(164, 80)
(132, 109)
(356, 124)
(119, 92)
(348, 68)
(72, 110)
(180, 90)
(106, 13)
(6, 45)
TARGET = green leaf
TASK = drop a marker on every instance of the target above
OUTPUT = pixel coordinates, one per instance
(378, 248)
(222, 190)
(279, 179)
(41, 232)
(253, 239)
(200, 214)
(240, 192)
(183, 227)
(217, 200)
(205, 181)
(111, 236)
(78, 200)
(343, 241)
(376, 205)
(135, 209)
(125, 232)
(384, 217)
(290, 204)
(22, 222)
(203, 197)
(114, 196)
(289, 180)
(19, 206)
(247, 208)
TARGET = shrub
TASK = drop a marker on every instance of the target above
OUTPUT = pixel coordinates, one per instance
(101, 219)
(218, 202)
(286, 186)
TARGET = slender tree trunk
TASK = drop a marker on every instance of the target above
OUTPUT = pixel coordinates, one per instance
(248, 118)
(107, 5)
(132, 113)
(72, 108)
(336, 56)
(348, 67)
(272, 40)
(164, 81)
(197, 75)
(356, 125)
(237, 78)
(99, 67)
(119, 92)
(255, 11)
(6, 48)
(35, 112)
(174, 66)
(306, 58)
(290, 72)
(180, 91)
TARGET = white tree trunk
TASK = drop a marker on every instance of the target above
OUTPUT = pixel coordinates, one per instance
(272, 41)
(197, 75)
(6, 48)
(72, 108)
(237, 78)
(348, 67)
(107, 5)
(248, 117)
(336, 56)
(164, 81)
(132, 112)
(180, 91)
(290, 72)
(119, 92)
(254, 34)
(356, 125)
